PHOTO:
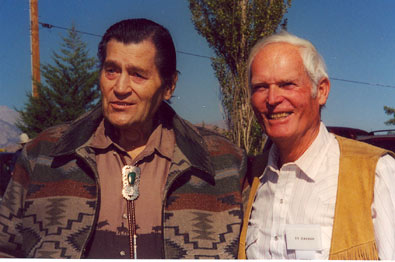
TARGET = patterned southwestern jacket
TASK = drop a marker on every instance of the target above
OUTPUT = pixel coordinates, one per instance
(51, 205)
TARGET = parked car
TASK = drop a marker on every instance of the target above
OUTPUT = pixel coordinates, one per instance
(7, 161)
(380, 138)
(348, 132)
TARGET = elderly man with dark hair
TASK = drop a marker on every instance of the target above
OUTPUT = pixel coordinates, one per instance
(314, 195)
(130, 179)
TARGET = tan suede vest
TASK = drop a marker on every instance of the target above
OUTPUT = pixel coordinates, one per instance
(353, 232)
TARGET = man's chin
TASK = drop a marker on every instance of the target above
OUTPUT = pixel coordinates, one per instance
(120, 123)
(278, 135)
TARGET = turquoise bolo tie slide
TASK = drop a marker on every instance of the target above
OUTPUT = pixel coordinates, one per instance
(130, 182)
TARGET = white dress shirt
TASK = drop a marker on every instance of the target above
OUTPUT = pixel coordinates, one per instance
(304, 192)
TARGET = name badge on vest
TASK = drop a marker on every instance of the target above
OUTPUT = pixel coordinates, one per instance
(304, 239)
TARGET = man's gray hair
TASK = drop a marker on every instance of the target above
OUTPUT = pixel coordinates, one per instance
(313, 62)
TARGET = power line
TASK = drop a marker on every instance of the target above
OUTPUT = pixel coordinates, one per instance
(360, 82)
(191, 54)
(49, 26)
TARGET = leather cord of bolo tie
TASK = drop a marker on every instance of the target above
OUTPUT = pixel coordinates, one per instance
(131, 222)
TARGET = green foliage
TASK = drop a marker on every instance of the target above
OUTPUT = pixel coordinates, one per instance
(390, 111)
(69, 89)
(232, 28)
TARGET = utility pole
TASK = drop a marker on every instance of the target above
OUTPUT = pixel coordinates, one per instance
(35, 46)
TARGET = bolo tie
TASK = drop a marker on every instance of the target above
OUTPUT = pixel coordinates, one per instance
(130, 191)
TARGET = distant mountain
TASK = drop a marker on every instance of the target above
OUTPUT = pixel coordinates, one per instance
(8, 115)
(9, 133)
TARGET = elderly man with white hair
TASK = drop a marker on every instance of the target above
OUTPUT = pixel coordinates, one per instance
(313, 195)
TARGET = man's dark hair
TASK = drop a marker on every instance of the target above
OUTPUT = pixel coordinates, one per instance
(137, 30)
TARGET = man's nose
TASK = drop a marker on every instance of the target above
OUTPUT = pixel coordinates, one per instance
(274, 95)
(123, 85)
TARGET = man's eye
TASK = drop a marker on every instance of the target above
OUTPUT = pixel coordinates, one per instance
(110, 73)
(138, 75)
(287, 84)
(256, 88)
(110, 70)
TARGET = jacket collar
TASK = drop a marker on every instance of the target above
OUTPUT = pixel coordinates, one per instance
(190, 142)
(79, 132)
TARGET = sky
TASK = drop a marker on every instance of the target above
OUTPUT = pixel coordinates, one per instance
(355, 37)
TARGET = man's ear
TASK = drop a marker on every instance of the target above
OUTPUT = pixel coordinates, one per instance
(323, 89)
(170, 89)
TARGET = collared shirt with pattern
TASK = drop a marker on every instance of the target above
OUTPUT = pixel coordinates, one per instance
(111, 238)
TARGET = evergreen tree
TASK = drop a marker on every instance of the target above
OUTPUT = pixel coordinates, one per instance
(390, 111)
(231, 28)
(69, 89)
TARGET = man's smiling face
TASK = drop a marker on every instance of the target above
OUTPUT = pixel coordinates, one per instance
(281, 94)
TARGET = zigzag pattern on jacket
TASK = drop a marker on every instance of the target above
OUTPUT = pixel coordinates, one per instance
(203, 234)
(51, 204)
(68, 226)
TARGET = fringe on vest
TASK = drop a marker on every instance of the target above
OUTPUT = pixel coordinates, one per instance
(367, 251)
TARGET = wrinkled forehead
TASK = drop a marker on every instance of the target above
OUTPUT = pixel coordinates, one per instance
(277, 60)
(278, 51)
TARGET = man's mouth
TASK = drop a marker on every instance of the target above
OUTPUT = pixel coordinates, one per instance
(118, 105)
(275, 116)
(121, 103)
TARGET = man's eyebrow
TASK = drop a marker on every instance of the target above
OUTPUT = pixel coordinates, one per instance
(111, 63)
(129, 68)
(259, 83)
(286, 81)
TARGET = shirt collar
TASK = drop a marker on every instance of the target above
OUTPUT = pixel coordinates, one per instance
(161, 139)
(311, 159)
(101, 138)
